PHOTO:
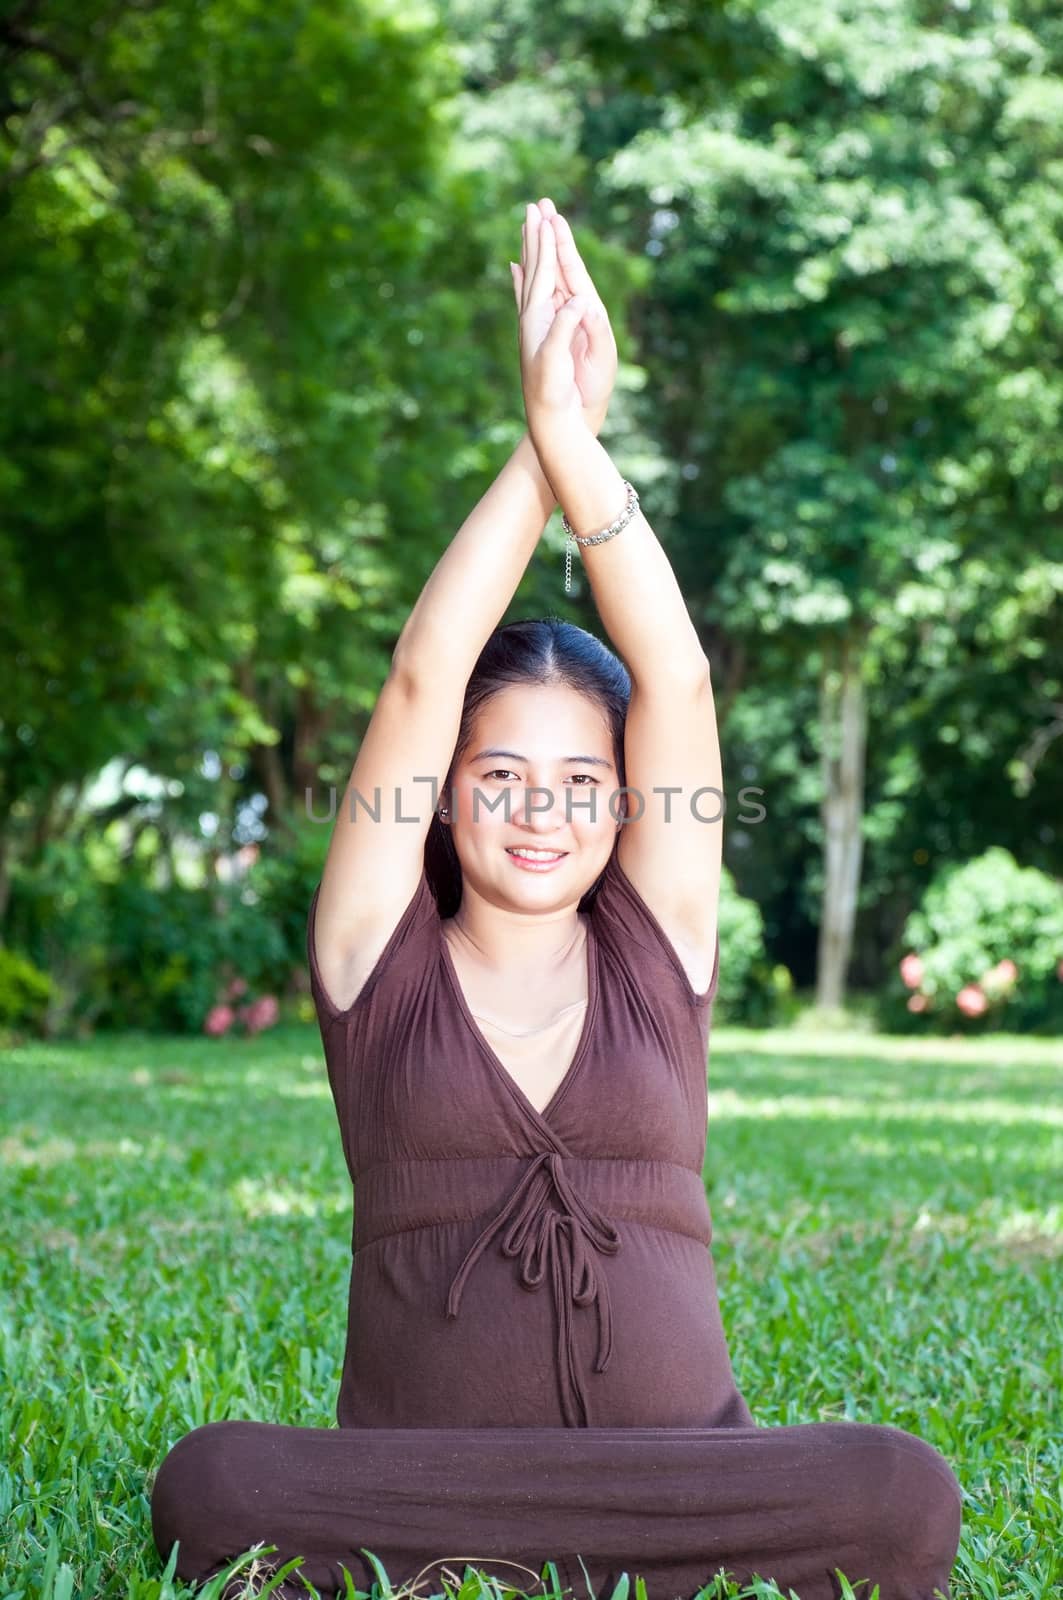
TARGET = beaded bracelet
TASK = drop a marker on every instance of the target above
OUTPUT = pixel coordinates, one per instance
(597, 538)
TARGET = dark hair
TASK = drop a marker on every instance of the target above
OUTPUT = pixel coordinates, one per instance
(544, 650)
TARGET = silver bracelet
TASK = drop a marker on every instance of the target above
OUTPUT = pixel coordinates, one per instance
(597, 538)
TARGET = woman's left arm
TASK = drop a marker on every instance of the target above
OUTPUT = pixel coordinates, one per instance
(654, 635)
(635, 590)
(671, 846)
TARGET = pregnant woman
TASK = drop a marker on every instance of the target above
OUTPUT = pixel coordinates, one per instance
(514, 954)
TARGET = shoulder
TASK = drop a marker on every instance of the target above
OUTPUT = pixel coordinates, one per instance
(343, 979)
(624, 918)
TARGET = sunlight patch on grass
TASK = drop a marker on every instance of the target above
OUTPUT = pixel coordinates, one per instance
(16, 1152)
(992, 1224)
(732, 1102)
(864, 1145)
(289, 1089)
(268, 1197)
(994, 1050)
(1028, 1227)
(20, 1152)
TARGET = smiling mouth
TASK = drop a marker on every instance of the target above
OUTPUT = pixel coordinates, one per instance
(535, 855)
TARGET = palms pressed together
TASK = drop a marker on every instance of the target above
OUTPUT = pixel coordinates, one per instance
(551, 271)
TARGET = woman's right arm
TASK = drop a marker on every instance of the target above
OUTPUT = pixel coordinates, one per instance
(373, 866)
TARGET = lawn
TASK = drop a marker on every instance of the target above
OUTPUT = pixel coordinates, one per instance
(176, 1231)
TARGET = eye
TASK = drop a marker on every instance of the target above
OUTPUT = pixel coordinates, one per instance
(507, 772)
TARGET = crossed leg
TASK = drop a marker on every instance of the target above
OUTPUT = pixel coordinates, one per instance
(672, 1505)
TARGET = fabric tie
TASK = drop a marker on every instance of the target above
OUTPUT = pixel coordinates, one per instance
(543, 1237)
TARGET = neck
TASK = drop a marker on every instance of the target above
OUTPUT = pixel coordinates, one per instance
(537, 944)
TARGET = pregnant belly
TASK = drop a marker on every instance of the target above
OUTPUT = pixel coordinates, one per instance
(500, 1361)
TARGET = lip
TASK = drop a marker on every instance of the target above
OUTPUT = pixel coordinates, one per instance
(537, 866)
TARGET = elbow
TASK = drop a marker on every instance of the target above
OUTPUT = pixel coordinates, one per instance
(690, 673)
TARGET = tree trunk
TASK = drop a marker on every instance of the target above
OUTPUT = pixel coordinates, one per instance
(265, 759)
(843, 726)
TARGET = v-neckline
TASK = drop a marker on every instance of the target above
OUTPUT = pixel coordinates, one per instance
(499, 1067)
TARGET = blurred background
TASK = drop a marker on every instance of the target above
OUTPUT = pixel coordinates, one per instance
(258, 362)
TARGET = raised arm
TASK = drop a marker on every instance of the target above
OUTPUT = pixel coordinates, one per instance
(655, 635)
(672, 845)
(372, 867)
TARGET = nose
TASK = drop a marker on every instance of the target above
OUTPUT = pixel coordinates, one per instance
(541, 810)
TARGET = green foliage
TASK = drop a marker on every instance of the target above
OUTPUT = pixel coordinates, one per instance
(284, 881)
(972, 918)
(752, 990)
(209, 472)
(124, 951)
(57, 918)
(851, 361)
(260, 362)
(173, 952)
(24, 991)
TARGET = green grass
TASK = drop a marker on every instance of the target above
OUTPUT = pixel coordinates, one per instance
(176, 1219)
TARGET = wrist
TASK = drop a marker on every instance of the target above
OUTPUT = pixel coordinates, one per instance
(595, 420)
(561, 431)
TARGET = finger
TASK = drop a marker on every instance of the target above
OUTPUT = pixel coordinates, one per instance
(544, 272)
(563, 288)
(524, 238)
(532, 226)
(574, 265)
(566, 321)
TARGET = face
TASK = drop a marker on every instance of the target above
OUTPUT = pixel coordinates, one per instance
(536, 796)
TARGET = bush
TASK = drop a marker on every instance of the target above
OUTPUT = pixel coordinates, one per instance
(24, 992)
(982, 952)
(174, 951)
(55, 915)
(753, 990)
(122, 952)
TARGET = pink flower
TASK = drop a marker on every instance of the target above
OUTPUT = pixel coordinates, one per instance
(911, 971)
(236, 989)
(218, 1019)
(917, 1002)
(971, 1001)
(999, 978)
(261, 1013)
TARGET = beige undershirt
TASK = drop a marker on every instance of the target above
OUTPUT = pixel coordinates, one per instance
(538, 1060)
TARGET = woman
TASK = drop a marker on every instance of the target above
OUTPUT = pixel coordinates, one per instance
(515, 994)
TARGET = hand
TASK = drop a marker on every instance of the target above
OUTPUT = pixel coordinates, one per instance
(551, 272)
(593, 347)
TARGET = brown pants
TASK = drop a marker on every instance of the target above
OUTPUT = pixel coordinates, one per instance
(671, 1505)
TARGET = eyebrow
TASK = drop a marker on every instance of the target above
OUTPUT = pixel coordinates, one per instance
(592, 761)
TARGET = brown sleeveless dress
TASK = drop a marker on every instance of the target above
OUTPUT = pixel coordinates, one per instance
(535, 1364)
(518, 1268)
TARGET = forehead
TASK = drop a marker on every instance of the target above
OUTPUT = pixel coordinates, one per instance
(542, 720)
